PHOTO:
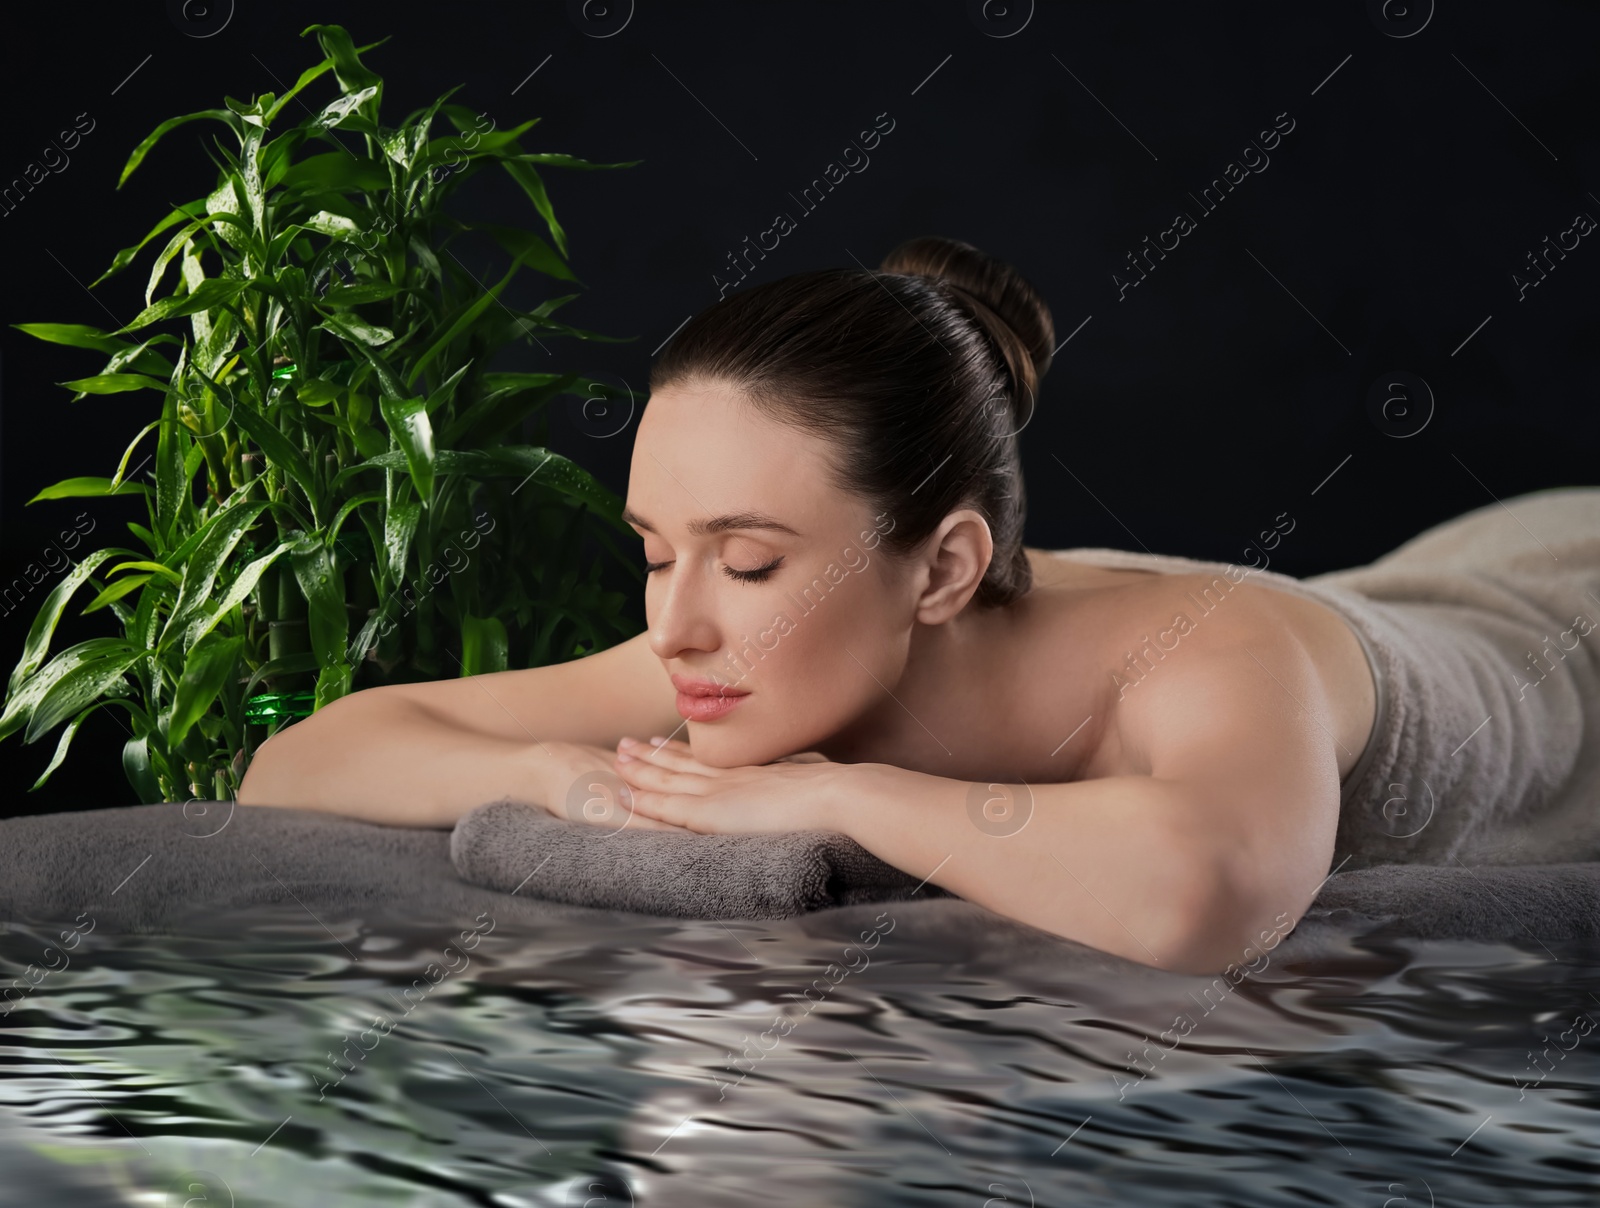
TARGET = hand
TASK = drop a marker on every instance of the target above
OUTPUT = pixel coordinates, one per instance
(569, 788)
(670, 785)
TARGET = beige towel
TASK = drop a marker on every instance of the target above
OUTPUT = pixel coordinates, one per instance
(1483, 633)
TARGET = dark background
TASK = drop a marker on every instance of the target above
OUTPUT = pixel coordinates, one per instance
(1431, 151)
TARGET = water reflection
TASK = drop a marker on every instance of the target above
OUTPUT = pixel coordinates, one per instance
(675, 1062)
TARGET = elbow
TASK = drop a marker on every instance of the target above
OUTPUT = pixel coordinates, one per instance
(263, 783)
(1222, 924)
(281, 769)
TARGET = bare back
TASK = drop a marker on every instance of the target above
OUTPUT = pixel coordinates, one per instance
(1134, 604)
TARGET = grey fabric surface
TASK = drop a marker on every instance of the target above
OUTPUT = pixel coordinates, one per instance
(160, 869)
(504, 844)
(1484, 636)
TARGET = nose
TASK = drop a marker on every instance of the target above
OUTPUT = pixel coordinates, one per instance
(681, 620)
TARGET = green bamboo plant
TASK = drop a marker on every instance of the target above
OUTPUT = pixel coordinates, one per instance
(338, 497)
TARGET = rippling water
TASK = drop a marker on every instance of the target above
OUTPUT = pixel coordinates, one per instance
(289, 1064)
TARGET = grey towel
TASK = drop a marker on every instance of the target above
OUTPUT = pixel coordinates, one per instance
(1484, 638)
(171, 869)
(505, 845)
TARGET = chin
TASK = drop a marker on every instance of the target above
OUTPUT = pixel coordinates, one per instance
(721, 746)
(735, 742)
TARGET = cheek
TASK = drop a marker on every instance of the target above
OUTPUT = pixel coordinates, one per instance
(809, 676)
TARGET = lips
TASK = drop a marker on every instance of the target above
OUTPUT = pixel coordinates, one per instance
(688, 686)
(705, 700)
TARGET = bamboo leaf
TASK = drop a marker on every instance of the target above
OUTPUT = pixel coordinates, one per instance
(89, 488)
(360, 295)
(171, 445)
(463, 321)
(289, 664)
(529, 248)
(333, 681)
(399, 527)
(556, 160)
(317, 392)
(206, 668)
(525, 175)
(142, 357)
(22, 699)
(145, 535)
(82, 685)
(234, 596)
(278, 448)
(352, 73)
(44, 624)
(408, 422)
(113, 383)
(349, 506)
(352, 327)
(484, 646)
(116, 591)
(155, 568)
(335, 226)
(122, 466)
(511, 396)
(175, 247)
(308, 76)
(61, 747)
(323, 588)
(136, 767)
(74, 335)
(126, 255)
(446, 390)
(220, 534)
(388, 381)
(208, 295)
(336, 171)
(339, 112)
(228, 118)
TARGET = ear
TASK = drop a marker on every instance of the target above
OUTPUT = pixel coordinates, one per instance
(956, 556)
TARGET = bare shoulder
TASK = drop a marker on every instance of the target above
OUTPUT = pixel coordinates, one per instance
(594, 700)
(1185, 662)
(1233, 706)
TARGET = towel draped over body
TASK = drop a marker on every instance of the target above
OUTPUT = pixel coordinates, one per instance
(1483, 635)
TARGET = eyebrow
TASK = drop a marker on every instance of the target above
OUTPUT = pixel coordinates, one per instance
(718, 524)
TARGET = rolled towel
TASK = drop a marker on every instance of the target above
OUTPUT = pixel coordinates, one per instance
(510, 846)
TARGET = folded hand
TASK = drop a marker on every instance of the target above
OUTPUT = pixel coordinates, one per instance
(669, 784)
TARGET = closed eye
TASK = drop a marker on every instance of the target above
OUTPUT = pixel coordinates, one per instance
(755, 575)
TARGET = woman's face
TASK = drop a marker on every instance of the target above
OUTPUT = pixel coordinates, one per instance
(770, 587)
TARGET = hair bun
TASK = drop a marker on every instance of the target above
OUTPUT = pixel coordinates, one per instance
(1017, 317)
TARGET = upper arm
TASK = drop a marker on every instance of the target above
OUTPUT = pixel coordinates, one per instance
(1243, 726)
(593, 700)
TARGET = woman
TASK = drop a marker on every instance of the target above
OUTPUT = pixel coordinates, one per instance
(828, 487)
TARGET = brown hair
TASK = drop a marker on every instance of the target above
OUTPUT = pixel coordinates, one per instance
(919, 373)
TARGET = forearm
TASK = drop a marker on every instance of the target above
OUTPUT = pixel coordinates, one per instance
(387, 760)
(1097, 861)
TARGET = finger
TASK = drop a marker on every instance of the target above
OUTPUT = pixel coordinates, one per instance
(610, 811)
(671, 756)
(668, 754)
(673, 809)
(643, 774)
(640, 821)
